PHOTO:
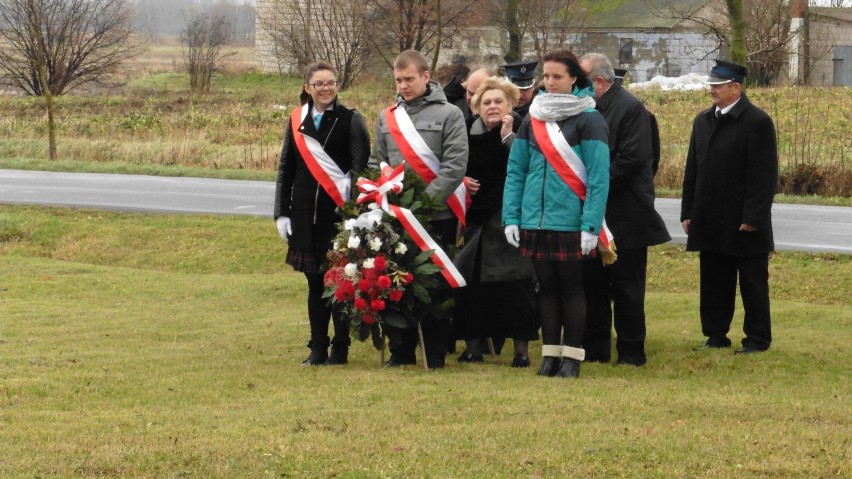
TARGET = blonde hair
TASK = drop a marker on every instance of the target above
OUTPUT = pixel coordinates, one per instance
(512, 93)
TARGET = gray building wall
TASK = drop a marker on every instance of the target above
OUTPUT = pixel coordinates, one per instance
(827, 33)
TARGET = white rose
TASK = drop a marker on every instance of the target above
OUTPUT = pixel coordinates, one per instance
(351, 270)
(348, 224)
(354, 241)
(369, 263)
(373, 206)
(400, 248)
(375, 244)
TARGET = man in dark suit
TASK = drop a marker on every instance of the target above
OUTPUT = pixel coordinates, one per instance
(728, 186)
(620, 287)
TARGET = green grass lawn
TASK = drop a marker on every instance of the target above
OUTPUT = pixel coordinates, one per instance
(166, 346)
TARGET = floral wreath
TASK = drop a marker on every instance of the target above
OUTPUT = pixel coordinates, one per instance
(378, 273)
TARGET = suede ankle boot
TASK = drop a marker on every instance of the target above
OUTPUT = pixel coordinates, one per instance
(551, 357)
(570, 368)
(339, 352)
(319, 353)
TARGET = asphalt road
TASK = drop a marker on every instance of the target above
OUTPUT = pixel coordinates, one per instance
(796, 227)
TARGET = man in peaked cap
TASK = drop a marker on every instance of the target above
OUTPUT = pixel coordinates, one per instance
(522, 74)
(728, 186)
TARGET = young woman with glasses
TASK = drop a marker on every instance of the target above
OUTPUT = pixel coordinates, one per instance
(323, 143)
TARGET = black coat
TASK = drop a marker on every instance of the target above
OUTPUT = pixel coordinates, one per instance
(344, 136)
(630, 212)
(484, 237)
(730, 178)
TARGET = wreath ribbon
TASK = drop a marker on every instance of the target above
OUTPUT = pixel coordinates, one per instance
(390, 181)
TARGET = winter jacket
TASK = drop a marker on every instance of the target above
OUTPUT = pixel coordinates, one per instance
(730, 178)
(343, 135)
(442, 127)
(630, 212)
(535, 196)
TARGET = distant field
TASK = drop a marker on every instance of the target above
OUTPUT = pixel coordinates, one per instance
(150, 123)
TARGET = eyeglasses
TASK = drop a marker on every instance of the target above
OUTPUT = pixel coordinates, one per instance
(320, 85)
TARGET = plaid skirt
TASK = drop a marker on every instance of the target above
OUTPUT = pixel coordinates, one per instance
(547, 245)
(306, 260)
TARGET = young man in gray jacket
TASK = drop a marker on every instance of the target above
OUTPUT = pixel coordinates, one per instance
(441, 127)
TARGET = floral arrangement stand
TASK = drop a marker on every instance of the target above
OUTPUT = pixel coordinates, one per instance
(384, 263)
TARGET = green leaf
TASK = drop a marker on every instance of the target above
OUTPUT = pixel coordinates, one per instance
(421, 293)
(406, 198)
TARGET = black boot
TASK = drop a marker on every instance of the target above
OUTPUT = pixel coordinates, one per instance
(319, 353)
(339, 352)
(570, 368)
(549, 366)
(551, 358)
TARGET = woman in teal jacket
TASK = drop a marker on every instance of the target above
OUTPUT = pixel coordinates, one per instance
(554, 223)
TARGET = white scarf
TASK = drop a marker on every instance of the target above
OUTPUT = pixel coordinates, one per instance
(559, 106)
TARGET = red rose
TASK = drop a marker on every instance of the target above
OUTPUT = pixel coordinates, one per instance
(377, 305)
(360, 303)
(407, 278)
(368, 320)
(380, 263)
(340, 295)
(365, 285)
(369, 273)
(330, 277)
(384, 282)
(347, 287)
(395, 295)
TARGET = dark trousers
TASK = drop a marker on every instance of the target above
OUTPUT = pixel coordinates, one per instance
(561, 303)
(436, 330)
(616, 293)
(319, 314)
(719, 290)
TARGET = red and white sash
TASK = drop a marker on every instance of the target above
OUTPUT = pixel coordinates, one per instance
(332, 179)
(424, 162)
(570, 168)
(391, 181)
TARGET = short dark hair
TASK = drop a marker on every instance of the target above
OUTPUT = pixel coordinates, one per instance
(317, 66)
(567, 58)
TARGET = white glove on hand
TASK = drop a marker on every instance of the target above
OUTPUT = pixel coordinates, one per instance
(284, 227)
(588, 242)
(513, 236)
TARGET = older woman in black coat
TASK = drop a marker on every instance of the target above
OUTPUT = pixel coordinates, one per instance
(499, 300)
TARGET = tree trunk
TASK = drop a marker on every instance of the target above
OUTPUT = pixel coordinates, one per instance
(738, 31)
(439, 32)
(512, 27)
(40, 66)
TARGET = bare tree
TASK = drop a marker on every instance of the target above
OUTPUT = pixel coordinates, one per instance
(546, 24)
(80, 41)
(303, 31)
(204, 39)
(413, 24)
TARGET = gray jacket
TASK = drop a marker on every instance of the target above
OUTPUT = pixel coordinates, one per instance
(442, 127)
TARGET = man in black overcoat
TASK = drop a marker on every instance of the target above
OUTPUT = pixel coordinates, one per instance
(635, 224)
(728, 186)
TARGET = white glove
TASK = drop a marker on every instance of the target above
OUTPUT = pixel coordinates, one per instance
(284, 227)
(588, 242)
(513, 236)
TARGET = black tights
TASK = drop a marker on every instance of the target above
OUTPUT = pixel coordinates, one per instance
(319, 313)
(561, 302)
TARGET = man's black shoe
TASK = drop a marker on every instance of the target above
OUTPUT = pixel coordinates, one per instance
(395, 362)
(468, 357)
(748, 350)
(521, 361)
(591, 358)
(715, 344)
